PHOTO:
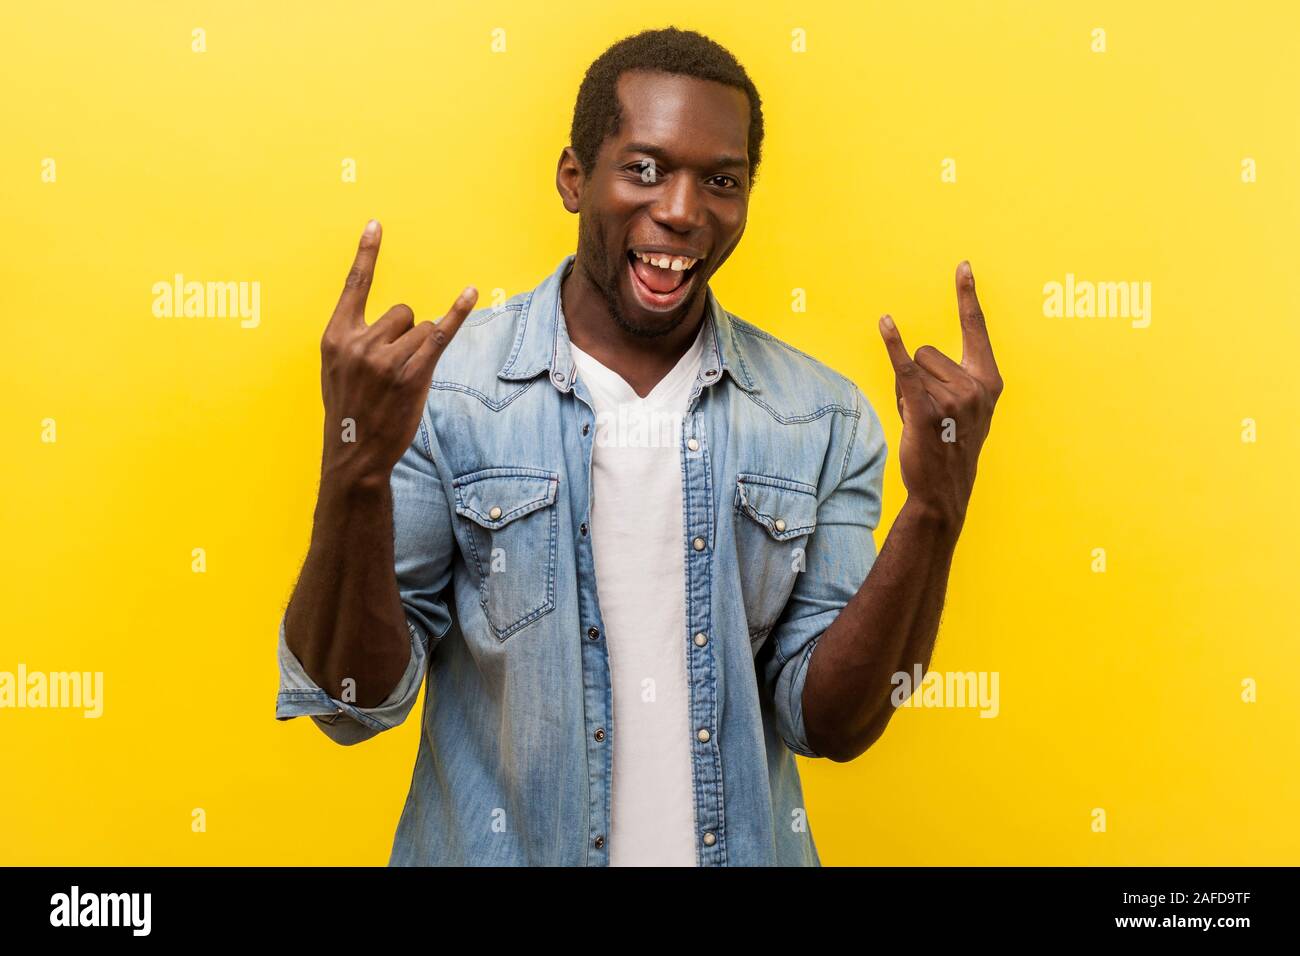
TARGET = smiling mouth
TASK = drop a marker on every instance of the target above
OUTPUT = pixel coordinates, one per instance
(658, 289)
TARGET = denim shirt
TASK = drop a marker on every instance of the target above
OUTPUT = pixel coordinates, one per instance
(782, 461)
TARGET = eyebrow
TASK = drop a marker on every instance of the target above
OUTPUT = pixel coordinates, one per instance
(719, 162)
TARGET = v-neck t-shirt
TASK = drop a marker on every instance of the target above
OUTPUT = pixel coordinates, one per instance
(638, 539)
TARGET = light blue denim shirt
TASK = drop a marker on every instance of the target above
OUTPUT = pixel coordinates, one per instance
(782, 463)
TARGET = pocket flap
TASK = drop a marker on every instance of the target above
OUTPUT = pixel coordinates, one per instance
(495, 497)
(786, 509)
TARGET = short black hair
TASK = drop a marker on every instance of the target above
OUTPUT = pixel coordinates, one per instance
(597, 114)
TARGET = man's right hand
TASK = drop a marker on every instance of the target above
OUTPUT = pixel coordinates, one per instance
(377, 376)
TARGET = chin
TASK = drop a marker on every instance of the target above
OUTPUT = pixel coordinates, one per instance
(633, 315)
(651, 328)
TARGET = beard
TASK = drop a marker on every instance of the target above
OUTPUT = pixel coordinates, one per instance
(608, 286)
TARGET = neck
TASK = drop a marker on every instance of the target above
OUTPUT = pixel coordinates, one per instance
(641, 360)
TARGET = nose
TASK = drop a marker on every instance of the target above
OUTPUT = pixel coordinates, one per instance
(677, 206)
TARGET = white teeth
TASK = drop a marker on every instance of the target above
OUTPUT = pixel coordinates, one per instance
(675, 263)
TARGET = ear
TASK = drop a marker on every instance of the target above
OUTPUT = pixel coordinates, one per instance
(569, 179)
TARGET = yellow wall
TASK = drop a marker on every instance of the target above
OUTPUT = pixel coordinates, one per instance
(1119, 690)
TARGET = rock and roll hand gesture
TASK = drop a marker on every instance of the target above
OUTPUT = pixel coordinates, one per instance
(377, 376)
(946, 408)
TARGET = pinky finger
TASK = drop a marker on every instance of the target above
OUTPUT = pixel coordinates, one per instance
(440, 334)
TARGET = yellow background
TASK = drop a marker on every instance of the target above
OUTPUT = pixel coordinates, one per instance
(1119, 691)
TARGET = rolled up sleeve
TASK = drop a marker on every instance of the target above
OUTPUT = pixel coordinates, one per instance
(423, 546)
(341, 721)
(837, 559)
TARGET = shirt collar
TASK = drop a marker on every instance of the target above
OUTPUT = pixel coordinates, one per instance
(542, 341)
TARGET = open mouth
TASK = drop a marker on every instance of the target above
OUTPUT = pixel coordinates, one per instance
(657, 285)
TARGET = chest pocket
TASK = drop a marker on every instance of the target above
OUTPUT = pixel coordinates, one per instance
(512, 533)
(774, 519)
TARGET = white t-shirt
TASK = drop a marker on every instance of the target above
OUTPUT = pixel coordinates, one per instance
(637, 539)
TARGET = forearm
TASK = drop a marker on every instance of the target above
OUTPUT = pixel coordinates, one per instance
(345, 619)
(888, 626)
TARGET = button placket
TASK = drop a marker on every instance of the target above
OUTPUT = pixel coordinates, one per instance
(706, 766)
(595, 660)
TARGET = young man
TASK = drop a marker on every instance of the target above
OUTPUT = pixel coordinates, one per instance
(624, 535)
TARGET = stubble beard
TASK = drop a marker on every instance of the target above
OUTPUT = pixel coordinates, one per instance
(608, 288)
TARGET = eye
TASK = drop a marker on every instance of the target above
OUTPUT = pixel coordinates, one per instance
(724, 176)
(645, 169)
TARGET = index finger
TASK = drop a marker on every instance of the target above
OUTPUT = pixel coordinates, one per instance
(352, 301)
(976, 350)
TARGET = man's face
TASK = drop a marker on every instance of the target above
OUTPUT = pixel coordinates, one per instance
(672, 184)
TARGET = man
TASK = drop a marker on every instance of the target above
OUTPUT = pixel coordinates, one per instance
(625, 535)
